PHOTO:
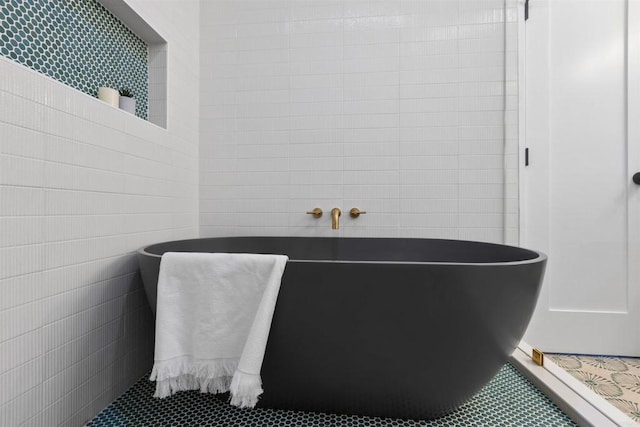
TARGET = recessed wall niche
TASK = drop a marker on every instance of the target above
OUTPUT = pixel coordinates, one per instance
(85, 45)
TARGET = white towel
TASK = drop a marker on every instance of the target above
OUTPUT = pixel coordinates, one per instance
(212, 322)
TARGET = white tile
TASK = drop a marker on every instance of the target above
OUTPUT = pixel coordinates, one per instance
(305, 94)
(429, 233)
(21, 410)
(370, 163)
(428, 33)
(388, 36)
(425, 191)
(316, 177)
(421, 176)
(429, 162)
(371, 107)
(275, 41)
(375, 176)
(427, 48)
(416, 206)
(19, 380)
(429, 148)
(428, 105)
(371, 121)
(429, 220)
(383, 149)
(481, 176)
(316, 108)
(475, 191)
(381, 50)
(272, 12)
(435, 76)
(315, 26)
(430, 62)
(372, 135)
(320, 149)
(374, 78)
(390, 92)
(448, 90)
(371, 191)
(373, 22)
(315, 10)
(258, 57)
(387, 102)
(316, 163)
(316, 39)
(61, 216)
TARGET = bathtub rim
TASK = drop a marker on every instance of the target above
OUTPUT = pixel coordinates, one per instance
(541, 257)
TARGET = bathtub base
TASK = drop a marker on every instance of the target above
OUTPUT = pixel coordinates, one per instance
(378, 353)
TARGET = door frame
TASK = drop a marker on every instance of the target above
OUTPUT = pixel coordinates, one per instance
(533, 139)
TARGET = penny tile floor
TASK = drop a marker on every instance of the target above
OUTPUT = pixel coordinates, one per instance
(509, 399)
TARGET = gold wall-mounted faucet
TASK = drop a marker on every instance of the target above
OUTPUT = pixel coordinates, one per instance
(335, 218)
(355, 212)
(316, 212)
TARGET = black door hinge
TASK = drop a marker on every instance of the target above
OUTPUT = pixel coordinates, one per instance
(526, 156)
(526, 9)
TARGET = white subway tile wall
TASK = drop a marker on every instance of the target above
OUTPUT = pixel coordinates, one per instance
(396, 107)
(82, 186)
(405, 109)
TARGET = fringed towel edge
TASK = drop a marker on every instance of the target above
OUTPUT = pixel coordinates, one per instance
(209, 376)
(245, 389)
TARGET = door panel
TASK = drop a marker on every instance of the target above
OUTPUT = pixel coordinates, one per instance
(577, 203)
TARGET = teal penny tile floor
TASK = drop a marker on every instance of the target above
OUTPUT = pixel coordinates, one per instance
(507, 400)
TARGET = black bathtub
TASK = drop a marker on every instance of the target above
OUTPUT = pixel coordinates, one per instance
(401, 328)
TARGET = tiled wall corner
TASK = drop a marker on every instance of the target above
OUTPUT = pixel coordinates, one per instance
(82, 186)
(395, 107)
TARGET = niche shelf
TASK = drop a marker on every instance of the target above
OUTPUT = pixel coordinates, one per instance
(85, 44)
(157, 57)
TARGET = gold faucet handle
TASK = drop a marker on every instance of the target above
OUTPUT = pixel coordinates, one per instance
(316, 212)
(355, 212)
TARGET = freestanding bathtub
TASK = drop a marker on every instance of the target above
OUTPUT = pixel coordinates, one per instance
(402, 328)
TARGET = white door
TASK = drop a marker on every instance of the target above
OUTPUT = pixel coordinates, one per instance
(578, 202)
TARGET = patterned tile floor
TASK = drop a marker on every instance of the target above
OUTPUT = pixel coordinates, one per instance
(617, 379)
(508, 400)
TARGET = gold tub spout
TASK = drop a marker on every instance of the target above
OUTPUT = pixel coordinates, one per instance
(335, 218)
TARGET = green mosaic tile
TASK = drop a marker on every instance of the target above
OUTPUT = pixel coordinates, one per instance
(508, 400)
(77, 42)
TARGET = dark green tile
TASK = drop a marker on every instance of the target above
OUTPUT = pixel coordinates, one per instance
(509, 399)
